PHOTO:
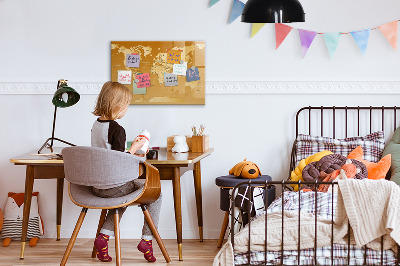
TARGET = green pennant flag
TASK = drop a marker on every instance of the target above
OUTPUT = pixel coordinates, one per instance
(256, 27)
(213, 2)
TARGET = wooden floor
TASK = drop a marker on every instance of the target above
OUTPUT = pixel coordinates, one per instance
(50, 252)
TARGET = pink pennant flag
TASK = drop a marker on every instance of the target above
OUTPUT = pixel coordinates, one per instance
(281, 31)
(389, 30)
(306, 39)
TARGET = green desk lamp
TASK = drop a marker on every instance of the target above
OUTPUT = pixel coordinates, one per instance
(65, 96)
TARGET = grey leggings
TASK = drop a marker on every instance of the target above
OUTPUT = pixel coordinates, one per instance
(154, 208)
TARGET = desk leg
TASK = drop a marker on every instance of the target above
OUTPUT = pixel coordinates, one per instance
(27, 206)
(176, 182)
(199, 204)
(60, 190)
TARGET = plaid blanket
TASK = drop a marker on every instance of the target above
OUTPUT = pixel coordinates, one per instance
(323, 205)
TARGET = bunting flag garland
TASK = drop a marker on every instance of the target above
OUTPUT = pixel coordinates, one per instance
(237, 9)
(332, 41)
(281, 31)
(389, 30)
(256, 27)
(213, 2)
(361, 37)
(306, 39)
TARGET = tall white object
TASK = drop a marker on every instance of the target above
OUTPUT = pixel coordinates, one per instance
(144, 134)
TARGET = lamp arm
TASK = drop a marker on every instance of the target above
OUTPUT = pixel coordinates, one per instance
(54, 126)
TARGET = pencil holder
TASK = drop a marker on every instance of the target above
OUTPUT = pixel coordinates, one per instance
(200, 143)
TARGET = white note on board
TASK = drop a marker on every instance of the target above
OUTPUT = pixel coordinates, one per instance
(180, 69)
(125, 76)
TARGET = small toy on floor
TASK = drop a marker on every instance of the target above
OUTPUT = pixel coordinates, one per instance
(13, 215)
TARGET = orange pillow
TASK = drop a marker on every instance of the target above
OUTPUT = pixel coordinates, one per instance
(375, 170)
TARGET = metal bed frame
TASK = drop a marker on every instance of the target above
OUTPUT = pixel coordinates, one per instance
(283, 184)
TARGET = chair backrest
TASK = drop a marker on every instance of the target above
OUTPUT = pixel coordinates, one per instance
(92, 166)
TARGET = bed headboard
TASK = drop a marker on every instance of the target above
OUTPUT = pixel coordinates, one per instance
(344, 121)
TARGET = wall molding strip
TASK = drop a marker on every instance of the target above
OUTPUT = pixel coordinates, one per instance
(231, 87)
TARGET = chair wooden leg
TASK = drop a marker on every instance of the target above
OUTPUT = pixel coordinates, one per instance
(117, 238)
(101, 222)
(223, 229)
(154, 230)
(73, 237)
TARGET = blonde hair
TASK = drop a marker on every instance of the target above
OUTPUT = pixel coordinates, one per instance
(112, 99)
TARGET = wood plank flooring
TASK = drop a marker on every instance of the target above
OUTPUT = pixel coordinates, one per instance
(50, 252)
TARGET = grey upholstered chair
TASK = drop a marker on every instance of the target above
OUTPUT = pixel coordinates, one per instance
(85, 167)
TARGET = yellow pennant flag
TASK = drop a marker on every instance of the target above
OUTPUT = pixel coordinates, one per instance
(256, 27)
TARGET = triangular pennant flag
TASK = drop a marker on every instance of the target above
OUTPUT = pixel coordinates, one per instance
(213, 2)
(256, 27)
(361, 37)
(237, 9)
(390, 32)
(306, 39)
(332, 41)
(281, 31)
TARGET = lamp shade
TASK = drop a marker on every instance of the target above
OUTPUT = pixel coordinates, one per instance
(273, 11)
(65, 96)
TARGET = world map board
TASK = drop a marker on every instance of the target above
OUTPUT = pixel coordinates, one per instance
(170, 72)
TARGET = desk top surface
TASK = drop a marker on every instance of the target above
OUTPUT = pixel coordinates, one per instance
(164, 157)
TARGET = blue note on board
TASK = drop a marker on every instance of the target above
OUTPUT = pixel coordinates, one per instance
(192, 74)
(132, 60)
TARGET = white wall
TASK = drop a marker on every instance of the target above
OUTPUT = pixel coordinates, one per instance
(43, 41)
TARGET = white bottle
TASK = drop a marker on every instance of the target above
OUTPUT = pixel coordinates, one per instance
(144, 134)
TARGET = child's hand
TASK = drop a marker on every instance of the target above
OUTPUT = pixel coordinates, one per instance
(143, 155)
(137, 144)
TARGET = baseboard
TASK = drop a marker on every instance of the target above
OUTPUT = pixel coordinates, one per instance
(231, 87)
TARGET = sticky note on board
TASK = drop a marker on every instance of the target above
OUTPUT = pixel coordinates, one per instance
(132, 60)
(170, 80)
(137, 90)
(192, 74)
(180, 69)
(174, 56)
(144, 80)
(125, 76)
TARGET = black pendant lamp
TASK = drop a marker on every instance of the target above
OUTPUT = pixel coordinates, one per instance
(273, 11)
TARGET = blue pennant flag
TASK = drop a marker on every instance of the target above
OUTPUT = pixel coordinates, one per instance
(213, 2)
(332, 41)
(237, 9)
(361, 38)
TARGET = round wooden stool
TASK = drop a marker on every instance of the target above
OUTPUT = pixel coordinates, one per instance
(228, 182)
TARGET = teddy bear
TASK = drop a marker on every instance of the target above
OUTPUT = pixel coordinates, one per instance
(13, 215)
(180, 144)
(245, 169)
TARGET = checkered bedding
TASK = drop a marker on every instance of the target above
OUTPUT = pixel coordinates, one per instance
(323, 207)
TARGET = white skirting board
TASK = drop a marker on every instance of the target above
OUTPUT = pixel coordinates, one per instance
(230, 87)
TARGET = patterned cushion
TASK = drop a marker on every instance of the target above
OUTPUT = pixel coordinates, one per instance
(372, 144)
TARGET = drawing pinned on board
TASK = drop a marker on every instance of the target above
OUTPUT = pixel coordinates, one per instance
(144, 80)
(170, 80)
(125, 76)
(174, 56)
(180, 69)
(133, 60)
(192, 74)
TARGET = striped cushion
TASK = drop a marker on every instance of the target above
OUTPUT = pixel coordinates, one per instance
(372, 145)
(13, 228)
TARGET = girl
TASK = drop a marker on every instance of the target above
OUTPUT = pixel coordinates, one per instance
(112, 103)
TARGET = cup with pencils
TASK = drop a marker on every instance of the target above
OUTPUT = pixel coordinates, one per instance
(199, 140)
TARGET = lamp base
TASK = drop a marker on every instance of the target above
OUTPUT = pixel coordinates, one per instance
(50, 146)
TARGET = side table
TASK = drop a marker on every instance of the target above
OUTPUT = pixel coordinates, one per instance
(226, 183)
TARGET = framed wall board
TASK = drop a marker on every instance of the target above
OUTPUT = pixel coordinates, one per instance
(168, 72)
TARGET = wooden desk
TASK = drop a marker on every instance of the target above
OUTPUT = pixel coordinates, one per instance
(169, 165)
